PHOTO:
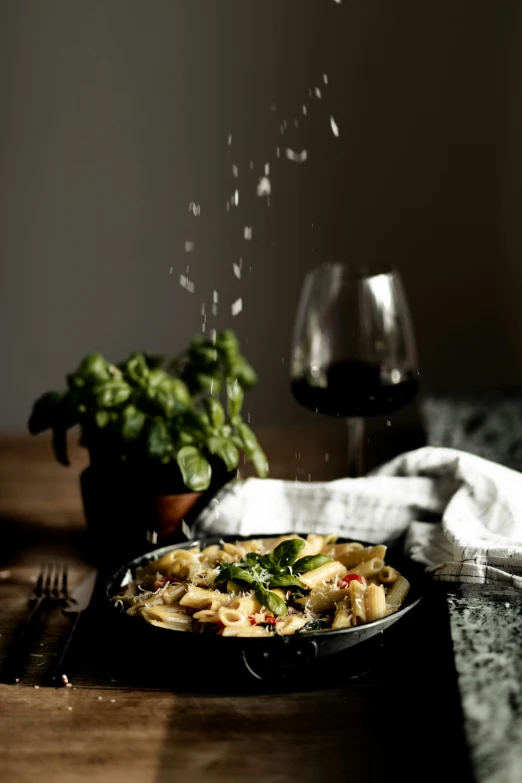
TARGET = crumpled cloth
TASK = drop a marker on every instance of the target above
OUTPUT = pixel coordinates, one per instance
(458, 514)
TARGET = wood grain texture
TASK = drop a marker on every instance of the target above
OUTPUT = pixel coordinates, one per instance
(112, 727)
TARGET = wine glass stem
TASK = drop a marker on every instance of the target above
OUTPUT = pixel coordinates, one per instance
(355, 446)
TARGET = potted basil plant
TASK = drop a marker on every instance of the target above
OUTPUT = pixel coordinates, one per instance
(163, 435)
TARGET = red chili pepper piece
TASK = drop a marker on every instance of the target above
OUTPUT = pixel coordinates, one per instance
(253, 620)
(163, 582)
(350, 578)
(270, 620)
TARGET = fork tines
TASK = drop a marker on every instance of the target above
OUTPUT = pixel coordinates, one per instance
(49, 591)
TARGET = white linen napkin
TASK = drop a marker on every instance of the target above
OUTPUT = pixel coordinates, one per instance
(462, 515)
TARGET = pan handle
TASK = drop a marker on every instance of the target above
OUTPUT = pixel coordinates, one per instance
(280, 663)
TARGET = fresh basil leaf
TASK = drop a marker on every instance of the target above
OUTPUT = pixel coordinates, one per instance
(260, 462)
(313, 625)
(234, 573)
(235, 397)
(194, 468)
(93, 369)
(180, 392)
(158, 377)
(112, 393)
(132, 422)
(247, 437)
(154, 360)
(101, 418)
(215, 411)
(204, 355)
(224, 449)
(227, 342)
(288, 551)
(206, 382)
(159, 441)
(136, 370)
(59, 443)
(271, 601)
(44, 413)
(310, 563)
(265, 561)
(243, 371)
(284, 580)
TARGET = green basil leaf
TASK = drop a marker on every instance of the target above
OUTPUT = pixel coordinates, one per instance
(197, 421)
(164, 400)
(184, 438)
(159, 441)
(93, 369)
(235, 396)
(271, 601)
(265, 561)
(204, 355)
(227, 342)
(285, 580)
(260, 462)
(59, 443)
(132, 422)
(310, 563)
(136, 370)
(112, 393)
(243, 371)
(102, 419)
(313, 625)
(45, 410)
(234, 573)
(158, 377)
(247, 437)
(155, 360)
(225, 450)
(180, 392)
(215, 411)
(288, 551)
(206, 382)
(194, 468)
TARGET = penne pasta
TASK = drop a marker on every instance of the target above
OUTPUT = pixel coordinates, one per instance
(388, 575)
(199, 598)
(252, 630)
(292, 624)
(343, 614)
(232, 617)
(325, 573)
(323, 599)
(375, 602)
(247, 605)
(242, 589)
(368, 567)
(397, 593)
(358, 603)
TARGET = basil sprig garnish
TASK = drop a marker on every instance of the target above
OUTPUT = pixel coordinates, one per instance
(271, 601)
(310, 563)
(279, 568)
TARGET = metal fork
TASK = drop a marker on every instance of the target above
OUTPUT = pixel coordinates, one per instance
(50, 590)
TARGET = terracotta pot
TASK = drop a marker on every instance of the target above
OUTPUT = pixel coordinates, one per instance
(126, 513)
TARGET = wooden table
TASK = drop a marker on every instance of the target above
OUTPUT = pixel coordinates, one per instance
(401, 720)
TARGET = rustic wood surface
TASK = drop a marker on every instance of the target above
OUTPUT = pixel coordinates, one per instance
(106, 727)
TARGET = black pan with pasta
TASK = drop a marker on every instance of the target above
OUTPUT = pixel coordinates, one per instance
(264, 655)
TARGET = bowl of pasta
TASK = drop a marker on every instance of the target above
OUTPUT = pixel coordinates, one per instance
(276, 602)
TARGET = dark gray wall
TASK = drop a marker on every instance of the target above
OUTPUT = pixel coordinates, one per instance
(115, 115)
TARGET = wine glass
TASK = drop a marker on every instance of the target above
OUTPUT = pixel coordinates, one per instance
(353, 352)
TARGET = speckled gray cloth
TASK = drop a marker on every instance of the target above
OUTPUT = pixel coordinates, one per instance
(462, 514)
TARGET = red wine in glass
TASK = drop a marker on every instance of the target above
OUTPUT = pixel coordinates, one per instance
(354, 388)
(353, 352)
